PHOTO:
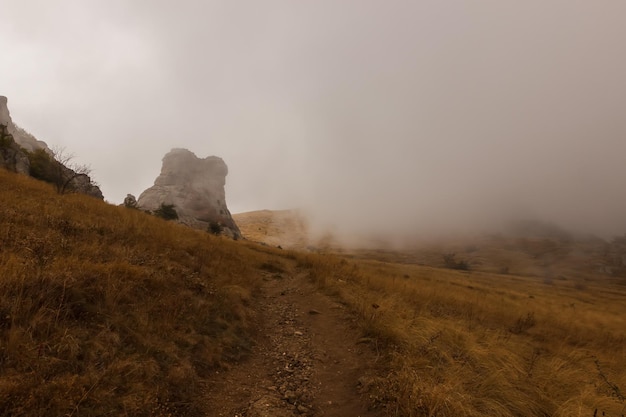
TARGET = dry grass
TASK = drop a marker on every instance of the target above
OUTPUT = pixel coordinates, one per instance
(109, 311)
(285, 228)
(536, 328)
(478, 344)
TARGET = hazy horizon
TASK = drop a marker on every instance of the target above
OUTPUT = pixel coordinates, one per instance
(371, 116)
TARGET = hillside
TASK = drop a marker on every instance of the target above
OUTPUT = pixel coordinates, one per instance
(106, 310)
(285, 228)
(532, 252)
(536, 326)
(109, 311)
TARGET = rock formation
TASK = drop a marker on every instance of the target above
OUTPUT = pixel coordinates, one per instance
(130, 201)
(21, 137)
(195, 187)
(19, 149)
(12, 157)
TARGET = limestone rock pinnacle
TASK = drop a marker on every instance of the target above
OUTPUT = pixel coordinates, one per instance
(195, 186)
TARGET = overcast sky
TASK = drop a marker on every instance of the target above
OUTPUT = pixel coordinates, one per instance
(377, 115)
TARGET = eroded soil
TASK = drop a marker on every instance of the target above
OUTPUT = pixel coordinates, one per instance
(309, 359)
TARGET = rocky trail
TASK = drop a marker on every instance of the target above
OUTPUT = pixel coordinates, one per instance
(309, 359)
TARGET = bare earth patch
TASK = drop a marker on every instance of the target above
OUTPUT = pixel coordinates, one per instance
(307, 361)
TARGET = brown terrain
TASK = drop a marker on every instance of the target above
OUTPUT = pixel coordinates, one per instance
(285, 228)
(310, 358)
(108, 310)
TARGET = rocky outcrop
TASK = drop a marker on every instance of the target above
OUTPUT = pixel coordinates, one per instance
(130, 201)
(81, 183)
(21, 152)
(21, 137)
(12, 156)
(195, 187)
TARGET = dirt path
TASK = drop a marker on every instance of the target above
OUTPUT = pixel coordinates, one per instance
(307, 362)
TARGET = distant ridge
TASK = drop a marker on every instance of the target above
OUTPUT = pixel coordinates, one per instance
(285, 228)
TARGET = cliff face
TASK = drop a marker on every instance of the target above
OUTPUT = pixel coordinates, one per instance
(19, 150)
(21, 137)
(12, 156)
(195, 186)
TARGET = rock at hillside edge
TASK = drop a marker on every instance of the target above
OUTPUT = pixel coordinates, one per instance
(195, 186)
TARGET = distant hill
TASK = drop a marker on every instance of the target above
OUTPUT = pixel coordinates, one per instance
(530, 248)
(285, 228)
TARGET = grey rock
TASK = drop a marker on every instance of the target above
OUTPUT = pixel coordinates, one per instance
(130, 201)
(195, 186)
(12, 157)
(21, 137)
(16, 143)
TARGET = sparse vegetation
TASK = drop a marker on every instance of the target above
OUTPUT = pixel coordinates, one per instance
(215, 228)
(42, 166)
(5, 138)
(58, 169)
(450, 262)
(167, 212)
(7, 146)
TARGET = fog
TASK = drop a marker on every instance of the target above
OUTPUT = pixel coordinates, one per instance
(396, 116)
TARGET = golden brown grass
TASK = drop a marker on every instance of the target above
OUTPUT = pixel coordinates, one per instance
(481, 344)
(285, 228)
(109, 311)
(537, 328)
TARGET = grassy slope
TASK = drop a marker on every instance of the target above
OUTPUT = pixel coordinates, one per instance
(108, 311)
(481, 344)
(547, 338)
(287, 228)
